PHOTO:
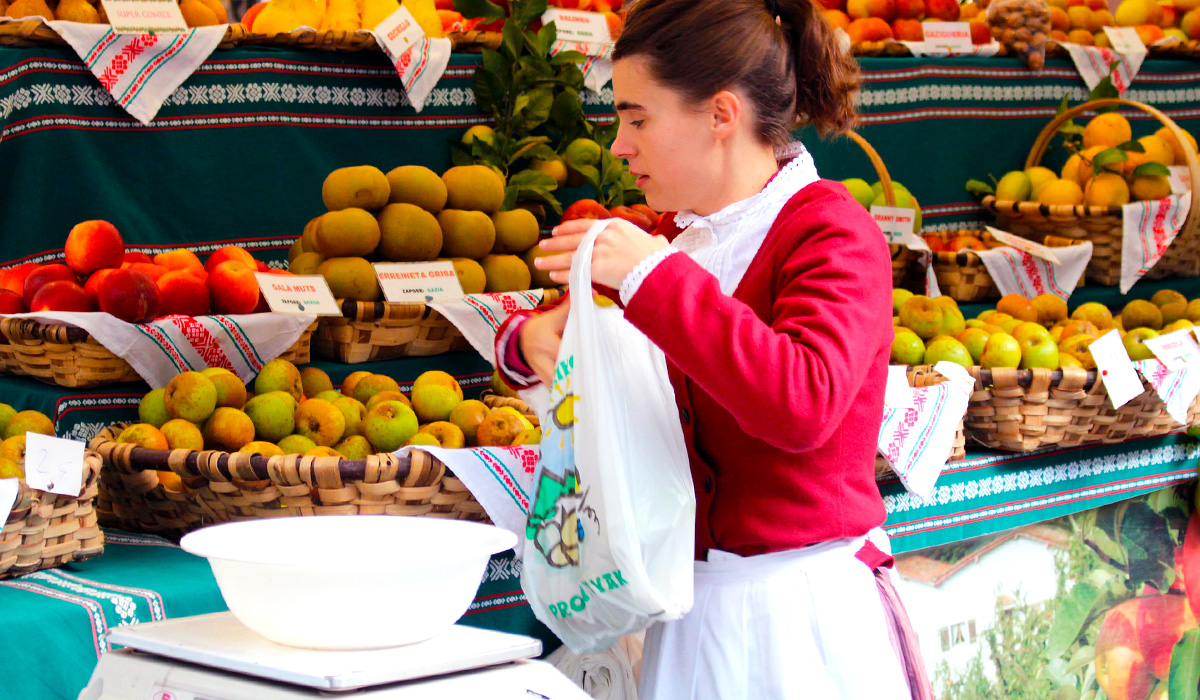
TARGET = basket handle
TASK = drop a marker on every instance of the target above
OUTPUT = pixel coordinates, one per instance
(1043, 140)
(885, 180)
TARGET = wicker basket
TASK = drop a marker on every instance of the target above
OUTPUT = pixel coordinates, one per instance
(35, 32)
(1184, 49)
(903, 257)
(464, 42)
(45, 530)
(962, 275)
(1023, 410)
(223, 487)
(379, 330)
(924, 375)
(71, 357)
(1102, 225)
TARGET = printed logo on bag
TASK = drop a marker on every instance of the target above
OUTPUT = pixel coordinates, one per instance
(554, 523)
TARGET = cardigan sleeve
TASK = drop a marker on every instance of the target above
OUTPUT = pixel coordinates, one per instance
(792, 381)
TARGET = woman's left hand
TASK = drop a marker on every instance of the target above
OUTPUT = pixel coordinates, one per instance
(619, 248)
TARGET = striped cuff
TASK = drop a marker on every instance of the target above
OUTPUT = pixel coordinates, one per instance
(508, 355)
(633, 281)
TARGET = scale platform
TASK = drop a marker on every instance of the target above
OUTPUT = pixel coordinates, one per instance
(216, 657)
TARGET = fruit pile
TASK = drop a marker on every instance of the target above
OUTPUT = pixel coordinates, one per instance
(1084, 22)
(197, 13)
(454, 21)
(872, 196)
(99, 274)
(297, 411)
(902, 20)
(1029, 333)
(13, 426)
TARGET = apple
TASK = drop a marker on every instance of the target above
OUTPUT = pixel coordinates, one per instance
(949, 349)
(974, 340)
(1135, 343)
(320, 421)
(389, 425)
(1000, 350)
(922, 316)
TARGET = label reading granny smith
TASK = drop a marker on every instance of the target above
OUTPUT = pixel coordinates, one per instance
(419, 283)
(53, 464)
(144, 16)
(298, 294)
(1176, 349)
(895, 222)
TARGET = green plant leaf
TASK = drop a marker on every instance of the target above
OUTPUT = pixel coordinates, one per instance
(1132, 146)
(1083, 656)
(460, 156)
(1070, 129)
(1185, 667)
(526, 194)
(541, 151)
(510, 198)
(1151, 169)
(536, 110)
(1108, 156)
(512, 39)
(483, 9)
(1064, 105)
(1110, 548)
(533, 178)
(546, 37)
(1069, 617)
(525, 11)
(564, 57)
(566, 110)
(979, 189)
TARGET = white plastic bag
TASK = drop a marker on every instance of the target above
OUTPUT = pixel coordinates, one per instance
(610, 536)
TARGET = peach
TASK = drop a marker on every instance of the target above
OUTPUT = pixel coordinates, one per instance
(232, 287)
(229, 252)
(945, 10)
(908, 30)
(182, 292)
(179, 259)
(13, 279)
(93, 245)
(92, 285)
(869, 29)
(1170, 15)
(1149, 33)
(634, 217)
(62, 295)
(910, 9)
(585, 209)
(1059, 19)
(11, 302)
(1162, 621)
(655, 216)
(836, 19)
(135, 256)
(981, 33)
(883, 9)
(130, 295)
(42, 275)
(149, 269)
(1121, 668)
(1190, 24)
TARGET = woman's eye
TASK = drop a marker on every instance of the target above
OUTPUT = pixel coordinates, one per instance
(637, 123)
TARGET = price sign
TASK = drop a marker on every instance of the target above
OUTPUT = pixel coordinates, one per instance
(578, 27)
(419, 282)
(897, 393)
(1125, 40)
(298, 294)
(53, 464)
(1115, 368)
(948, 35)
(1180, 179)
(895, 222)
(399, 32)
(1014, 241)
(8, 497)
(1176, 350)
(144, 16)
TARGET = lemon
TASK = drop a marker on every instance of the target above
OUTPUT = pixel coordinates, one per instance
(1150, 187)
(1108, 130)
(1038, 176)
(1060, 192)
(1157, 150)
(1015, 186)
(1107, 190)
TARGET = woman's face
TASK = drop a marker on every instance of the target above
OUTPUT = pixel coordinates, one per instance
(666, 141)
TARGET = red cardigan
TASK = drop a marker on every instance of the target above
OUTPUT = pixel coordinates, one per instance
(780, 386)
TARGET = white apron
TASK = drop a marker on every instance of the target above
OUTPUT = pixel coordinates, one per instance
(804, 623)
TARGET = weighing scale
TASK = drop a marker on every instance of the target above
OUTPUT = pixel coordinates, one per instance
(215, 657)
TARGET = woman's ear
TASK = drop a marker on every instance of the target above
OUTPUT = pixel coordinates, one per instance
(727, 110)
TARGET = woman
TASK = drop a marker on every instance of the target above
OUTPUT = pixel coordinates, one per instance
(769, 292)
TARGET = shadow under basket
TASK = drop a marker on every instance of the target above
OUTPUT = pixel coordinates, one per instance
(45, 530)
(220, 487)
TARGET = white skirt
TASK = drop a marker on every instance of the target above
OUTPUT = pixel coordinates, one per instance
(804, 623)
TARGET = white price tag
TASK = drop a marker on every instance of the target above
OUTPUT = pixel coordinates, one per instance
(298, 294)
(578, 27)
(948, 35)
(1115, 368)
(897, 393)
(1180, 179)
(419, 282)
(53, 464)
(1125, 40)
(144, 16)
(895, 222)
(1176, 349)
(1014, 241)
(9, 488)
(399, 32)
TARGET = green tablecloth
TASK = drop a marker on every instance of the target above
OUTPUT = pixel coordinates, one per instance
(53, 621)
(239, 152)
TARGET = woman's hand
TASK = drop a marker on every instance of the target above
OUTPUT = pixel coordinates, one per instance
(539, 339)
(619, 248)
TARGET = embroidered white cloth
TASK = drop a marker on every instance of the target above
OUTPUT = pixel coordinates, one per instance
(140, 70)
(1177, 389)
(1149, 228)
(1019, 272)
(1092, 62)
(500, 478)
(916, 441)
(163, 348)
(606, 675)
(421, 67)
(479, 316)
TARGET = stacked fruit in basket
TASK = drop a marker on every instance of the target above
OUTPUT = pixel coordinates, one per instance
(100, 274)
(1030, 333)
(14, 425)
(872, 196)
(1084, 23)
(902, 20)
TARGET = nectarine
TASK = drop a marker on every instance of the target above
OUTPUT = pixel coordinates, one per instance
(233, 288)
(93, 245)
(130, 295)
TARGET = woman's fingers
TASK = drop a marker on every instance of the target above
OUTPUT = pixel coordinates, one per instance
(573, 227)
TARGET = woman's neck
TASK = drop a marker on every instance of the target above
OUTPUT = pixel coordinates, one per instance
(744, 174)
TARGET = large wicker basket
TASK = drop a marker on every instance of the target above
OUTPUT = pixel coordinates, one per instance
(962, 275)
(222, 487)
(1023, 410)
(903, 257)
(1102, 225)
(379, 330)
(925, 375)
(356, 40)
(46, 530)
(71, 357)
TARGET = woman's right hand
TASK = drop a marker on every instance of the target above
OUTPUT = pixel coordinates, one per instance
(539, 339)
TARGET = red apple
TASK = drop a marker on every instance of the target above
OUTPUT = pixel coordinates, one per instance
(43, 275)
(910, 9)
(634, 217)
(130, 295)
(585, 209)
(233, 288)
(183, 292)
(13, 279)
(62, 295)
(11, 302)
(944, 10)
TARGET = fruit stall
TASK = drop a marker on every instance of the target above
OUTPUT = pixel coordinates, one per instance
(299, 152)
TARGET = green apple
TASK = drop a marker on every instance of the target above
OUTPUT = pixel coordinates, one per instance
(314, 381)
(1095, 312)
(373, 384)
(922, 316)
(389, 425)
(907, 348)
(331, 395)
(151, 409)
(899, 296)
(467, 415)
(1027, 330)
(1038, 351)
(272, 415)
(1176, 325)
(434, 402)
(355, 447)
(973, 339)
(1076, 347)
(320, 421)
(231, 390)
(190, 396)
(279, 375)
(423, 439)
(953, 322)
(354, 413)
(1135, 343)
(860, 190)
(447, 433)
(949, 349)
(1000, 350)
(296, 445)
